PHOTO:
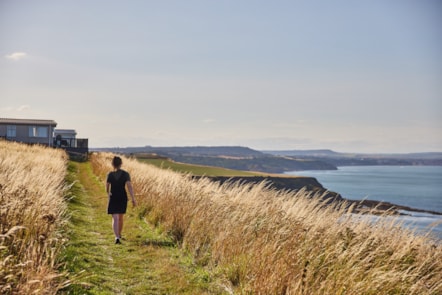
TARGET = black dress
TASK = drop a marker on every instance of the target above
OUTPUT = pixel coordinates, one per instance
(118, 199)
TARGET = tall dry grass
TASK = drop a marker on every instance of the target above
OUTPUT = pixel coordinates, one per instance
(273, 242)
(32, 212)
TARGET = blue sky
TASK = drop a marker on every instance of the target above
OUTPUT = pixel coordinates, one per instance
(353, 76)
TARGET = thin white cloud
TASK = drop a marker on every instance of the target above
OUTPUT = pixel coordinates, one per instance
(16, 56)
(23, 108)
(208, 120)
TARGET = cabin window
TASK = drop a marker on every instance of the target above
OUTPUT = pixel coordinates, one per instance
(37, 131)
(11, 131)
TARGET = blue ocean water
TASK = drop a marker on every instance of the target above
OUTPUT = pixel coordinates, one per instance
(413, 186)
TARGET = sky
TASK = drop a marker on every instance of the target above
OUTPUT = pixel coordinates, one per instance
(351, 76)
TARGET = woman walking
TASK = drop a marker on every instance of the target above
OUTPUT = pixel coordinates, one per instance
(116, 184)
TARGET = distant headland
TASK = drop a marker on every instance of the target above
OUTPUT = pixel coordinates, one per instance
(275, 161)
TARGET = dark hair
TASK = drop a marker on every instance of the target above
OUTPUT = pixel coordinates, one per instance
(116, 162)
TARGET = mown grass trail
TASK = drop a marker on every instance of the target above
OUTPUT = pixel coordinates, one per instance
(147, 262)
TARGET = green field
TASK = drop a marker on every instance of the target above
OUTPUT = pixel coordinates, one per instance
(198, 170)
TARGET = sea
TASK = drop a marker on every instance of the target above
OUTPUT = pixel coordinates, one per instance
(413, 186)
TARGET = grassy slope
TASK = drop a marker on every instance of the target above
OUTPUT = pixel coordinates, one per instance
(199, 170)
(146, 263)
(272, 243)
(280, 181)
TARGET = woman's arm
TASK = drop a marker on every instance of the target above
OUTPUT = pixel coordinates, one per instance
(108, 189)
(131, 192)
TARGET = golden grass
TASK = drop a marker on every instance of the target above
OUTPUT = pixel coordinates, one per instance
(32, 213)
(272, 242)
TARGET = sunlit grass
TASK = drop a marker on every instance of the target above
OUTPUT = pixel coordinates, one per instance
(265, 241)
(148, 261)
(32, 216)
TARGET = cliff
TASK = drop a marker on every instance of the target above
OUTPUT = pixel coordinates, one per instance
(283, 183)
(311, 184)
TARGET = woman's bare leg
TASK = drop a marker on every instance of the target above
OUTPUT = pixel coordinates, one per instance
(120, 224)
(115, 225)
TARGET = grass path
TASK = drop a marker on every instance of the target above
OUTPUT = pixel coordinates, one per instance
(147, 262)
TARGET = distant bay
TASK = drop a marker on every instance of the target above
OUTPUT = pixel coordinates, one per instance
(413, 186)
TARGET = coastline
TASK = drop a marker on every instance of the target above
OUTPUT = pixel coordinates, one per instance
(313, 185)
(387, 206)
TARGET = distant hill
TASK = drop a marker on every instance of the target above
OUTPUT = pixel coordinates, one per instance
(231, 157)
(330, 153)
(244, 158)
(311, 153)
(349, 159)
(268, 164)
(227, 151)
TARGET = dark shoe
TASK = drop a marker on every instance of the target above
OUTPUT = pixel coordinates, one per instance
(117, 241)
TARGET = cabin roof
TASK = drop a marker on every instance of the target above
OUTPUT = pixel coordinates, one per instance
(27, 122)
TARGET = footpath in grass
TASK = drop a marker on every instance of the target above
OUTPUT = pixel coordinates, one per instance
(147, 262)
